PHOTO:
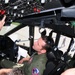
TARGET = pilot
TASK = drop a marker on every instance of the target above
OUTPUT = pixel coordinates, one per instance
(70, 71)
(2, 22)
(36, 63)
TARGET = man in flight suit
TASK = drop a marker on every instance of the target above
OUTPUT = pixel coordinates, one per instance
(34, 65)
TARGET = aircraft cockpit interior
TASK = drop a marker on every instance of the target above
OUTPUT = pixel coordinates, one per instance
(32, 18)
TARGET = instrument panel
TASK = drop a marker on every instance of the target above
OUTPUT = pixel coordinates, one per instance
(21, 8)
(34, 12)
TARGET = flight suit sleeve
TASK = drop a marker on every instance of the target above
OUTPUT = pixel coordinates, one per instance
(7, 64)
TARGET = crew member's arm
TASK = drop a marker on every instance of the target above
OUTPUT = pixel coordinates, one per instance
(2, 22)
(2, 71)
(69, 72)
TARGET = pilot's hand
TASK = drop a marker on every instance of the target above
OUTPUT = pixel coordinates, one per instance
(2, 22)
(23, 60)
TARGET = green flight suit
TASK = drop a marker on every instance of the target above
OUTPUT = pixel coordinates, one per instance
(35, 66)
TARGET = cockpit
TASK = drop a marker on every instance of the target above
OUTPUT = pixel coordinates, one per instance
(28, 19)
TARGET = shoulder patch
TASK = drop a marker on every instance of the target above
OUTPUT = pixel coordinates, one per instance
(35, 71)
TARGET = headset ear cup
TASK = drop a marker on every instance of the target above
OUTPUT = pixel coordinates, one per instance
(51, 55)
(67, 3)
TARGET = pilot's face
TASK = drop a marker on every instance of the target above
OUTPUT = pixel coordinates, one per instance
(38, 45)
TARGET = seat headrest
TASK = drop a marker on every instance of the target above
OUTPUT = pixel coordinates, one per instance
(54, 55)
